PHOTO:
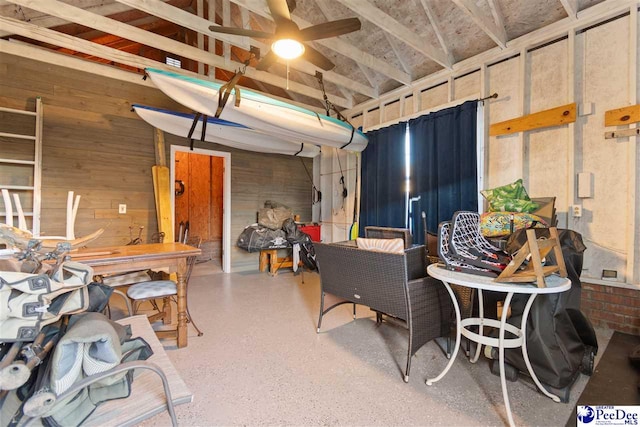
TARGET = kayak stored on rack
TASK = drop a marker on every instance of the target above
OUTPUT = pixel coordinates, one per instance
(222, 132)
(259, 112)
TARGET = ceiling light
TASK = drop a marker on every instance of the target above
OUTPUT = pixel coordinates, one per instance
(288, 48)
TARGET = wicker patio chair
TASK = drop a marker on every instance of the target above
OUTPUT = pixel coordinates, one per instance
(371, 232)
(391, 284)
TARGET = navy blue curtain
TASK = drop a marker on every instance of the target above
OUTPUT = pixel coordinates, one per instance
(383, 179)
(443, 166)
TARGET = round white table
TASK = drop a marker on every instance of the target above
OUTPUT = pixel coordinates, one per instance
(555, 284)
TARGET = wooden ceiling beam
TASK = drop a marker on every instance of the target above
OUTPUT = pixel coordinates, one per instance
(396, 29)
(498, 17)
(396, 50)
(497, 33)
(336, 44)
(436, 29)
(571, 7)
(367, 74)
(188, 20)
(80, 16)
(200, 25)
(330, 16)
(226, 21)
(29, 51)
(76, 44)
(52, 21)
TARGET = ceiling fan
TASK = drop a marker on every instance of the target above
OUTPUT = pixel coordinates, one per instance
(289, 39)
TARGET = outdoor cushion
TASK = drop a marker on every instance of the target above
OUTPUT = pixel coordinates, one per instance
(512, 205)
(515, 190)
(152, 289)
(381, 245)
(497, 224)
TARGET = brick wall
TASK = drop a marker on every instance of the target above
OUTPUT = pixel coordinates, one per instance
(612, 307)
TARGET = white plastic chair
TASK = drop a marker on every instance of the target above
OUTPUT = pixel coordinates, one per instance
(72, 212)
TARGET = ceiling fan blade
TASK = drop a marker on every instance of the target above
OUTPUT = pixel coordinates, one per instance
(241, 32)
(279, 11)
(316, 58)
(267, 61)
(330, 29)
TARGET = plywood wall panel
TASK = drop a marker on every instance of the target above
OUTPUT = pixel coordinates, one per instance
(391, 111)
(547, 150)
(408, 105)
(606, 85)
(467, 86)
(371, 118)
(357, 121)
(504, 153)
(434, 96)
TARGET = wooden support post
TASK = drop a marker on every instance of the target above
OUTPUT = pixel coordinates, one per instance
(162, 188)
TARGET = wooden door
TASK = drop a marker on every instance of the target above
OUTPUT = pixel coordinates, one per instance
(200, 204)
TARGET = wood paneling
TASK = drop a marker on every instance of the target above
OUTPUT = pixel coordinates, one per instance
(199, 188)
(94, 145)
(217, 173)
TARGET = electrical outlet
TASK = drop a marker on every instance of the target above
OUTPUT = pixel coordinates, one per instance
(577, 211)
(122, 208)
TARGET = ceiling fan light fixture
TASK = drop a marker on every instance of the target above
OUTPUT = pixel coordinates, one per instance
(287, 48)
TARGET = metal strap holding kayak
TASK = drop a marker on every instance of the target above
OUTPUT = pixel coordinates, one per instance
(300, 150)
(328, 107)
(225, 91)
(223, 97)
(197, 117)
(353, 132)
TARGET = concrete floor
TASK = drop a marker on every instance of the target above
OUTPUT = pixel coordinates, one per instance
(261, 362)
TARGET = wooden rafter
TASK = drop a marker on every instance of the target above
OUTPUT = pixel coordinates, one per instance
(396, 29)
(571, 7)
(74, 14)
(181, 17)
(335, 44)
(436, 29)
(52, 21)
(330, 16)
(226, 21)
(200, 25)
(497, 33)
(497, 16)
(396, 50)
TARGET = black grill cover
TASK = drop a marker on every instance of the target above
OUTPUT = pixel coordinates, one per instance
(558, 333)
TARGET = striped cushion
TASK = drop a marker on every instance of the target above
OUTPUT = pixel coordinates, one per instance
(395, 246)
(152, 289)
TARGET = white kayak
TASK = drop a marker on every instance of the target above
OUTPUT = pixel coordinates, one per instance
(260, 112)
(222, 132)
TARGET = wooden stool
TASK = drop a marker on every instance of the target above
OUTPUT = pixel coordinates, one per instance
(269, 259)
